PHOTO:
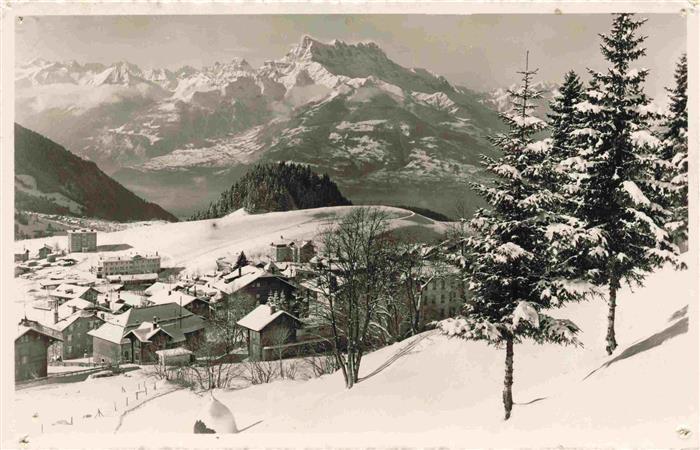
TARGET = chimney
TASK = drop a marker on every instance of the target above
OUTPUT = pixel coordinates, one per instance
(273, 309)
(170, 292)
(73, 309)
(155, 322)
(55, 315)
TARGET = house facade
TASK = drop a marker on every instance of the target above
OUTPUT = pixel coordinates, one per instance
(128, 265)
(74, 329)
(443, 297)
(269, 332)
(82, 241)
(31, 350)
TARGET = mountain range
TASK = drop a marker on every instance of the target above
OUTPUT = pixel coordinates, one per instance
(384, 133)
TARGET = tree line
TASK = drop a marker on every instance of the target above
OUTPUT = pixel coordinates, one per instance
(282, 186)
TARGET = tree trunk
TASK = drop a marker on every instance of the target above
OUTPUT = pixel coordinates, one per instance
(350, 379)
(508, 382)
(611, 342)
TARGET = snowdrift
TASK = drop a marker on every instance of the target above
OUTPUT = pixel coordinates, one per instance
(435, 390)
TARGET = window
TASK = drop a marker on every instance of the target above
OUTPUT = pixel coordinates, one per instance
(442, 298)
(70, 338)
(24, 359)
(442, 283)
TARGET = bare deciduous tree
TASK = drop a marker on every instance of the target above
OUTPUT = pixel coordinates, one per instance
(354, 272)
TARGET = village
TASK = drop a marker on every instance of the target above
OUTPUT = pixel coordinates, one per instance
(134, 311)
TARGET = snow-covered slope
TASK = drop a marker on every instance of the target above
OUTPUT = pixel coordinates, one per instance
(437, 391)
(195, 246)
(151, 128)
(441, 391)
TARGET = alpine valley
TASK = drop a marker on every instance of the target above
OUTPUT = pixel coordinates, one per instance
(384, 133)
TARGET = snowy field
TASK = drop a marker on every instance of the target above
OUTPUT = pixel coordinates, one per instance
(434, 390)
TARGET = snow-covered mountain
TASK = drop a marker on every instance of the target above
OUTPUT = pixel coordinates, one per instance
(385, 133)
(501, 100)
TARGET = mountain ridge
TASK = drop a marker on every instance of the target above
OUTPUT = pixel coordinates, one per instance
(383, 132)
(50, 179)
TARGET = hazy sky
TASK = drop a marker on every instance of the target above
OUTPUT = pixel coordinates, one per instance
(479, 51)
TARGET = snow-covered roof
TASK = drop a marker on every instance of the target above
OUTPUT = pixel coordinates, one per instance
(261, 317)
(26, 326)
(174, 320)
(70, 320)
(66, 290)
(166, 296)
(66, 309)
(109, 332)
(158, 286)
(232, 282)
(178, 351)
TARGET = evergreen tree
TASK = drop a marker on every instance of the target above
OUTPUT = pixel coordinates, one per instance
(614, 170)
(242, 261)
(563, 118)
(510, 261)
(673, 155)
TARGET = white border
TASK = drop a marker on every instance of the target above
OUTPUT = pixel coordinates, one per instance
(10, 11)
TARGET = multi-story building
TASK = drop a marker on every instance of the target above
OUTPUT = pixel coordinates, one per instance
(82, 241)
(443, 297)
(76, 343)
(289, 251)
(127, 265)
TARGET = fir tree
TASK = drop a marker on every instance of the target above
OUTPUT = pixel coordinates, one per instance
(242, 261)
(563, 118)
(510, 264)
(673, 155)
(614, 198)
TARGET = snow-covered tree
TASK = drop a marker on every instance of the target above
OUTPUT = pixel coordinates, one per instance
(510, 264)
(673, 155)
(615, 167)
(563, 118)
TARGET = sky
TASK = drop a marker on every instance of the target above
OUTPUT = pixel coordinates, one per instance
(481, 52)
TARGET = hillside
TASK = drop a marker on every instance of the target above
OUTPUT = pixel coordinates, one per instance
(195, 245)
(384, 133)
(435, 391)
(276, 187)
(50, 179)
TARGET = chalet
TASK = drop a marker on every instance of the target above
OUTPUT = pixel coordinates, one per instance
(267, 328)
(44, 251)
(22, 256)
(253, 285)
(76, 342)
(65, 292)
(137, 334)
(195, 305)
(31, 349)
